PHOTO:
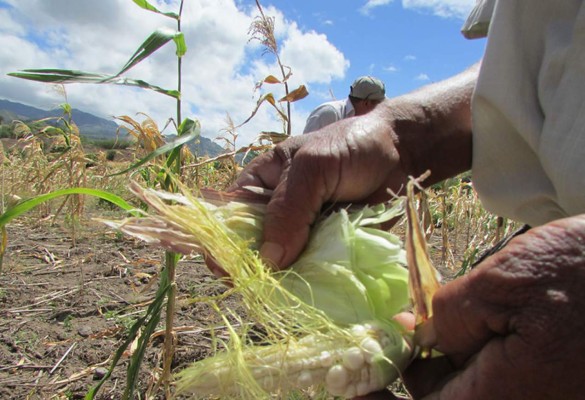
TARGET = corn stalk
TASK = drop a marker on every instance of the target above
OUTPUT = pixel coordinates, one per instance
(186, 130)
(262, 29)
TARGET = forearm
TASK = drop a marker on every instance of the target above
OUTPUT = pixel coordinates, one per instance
(431, 127)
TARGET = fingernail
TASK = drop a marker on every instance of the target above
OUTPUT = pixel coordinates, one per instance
(272, 253)
(425, 335)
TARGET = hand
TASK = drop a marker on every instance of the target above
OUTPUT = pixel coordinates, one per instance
(513, 327)
(359, 159)
(353, 160)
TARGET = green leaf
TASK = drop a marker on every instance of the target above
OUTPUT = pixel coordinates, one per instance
(150, 320)
(29, 204)
(71, 76)
(149, 324)
(144, 85)
(187, 127)
(59, 76)
(156, 40)
(177, 143)
(147, 6)
(66, 107)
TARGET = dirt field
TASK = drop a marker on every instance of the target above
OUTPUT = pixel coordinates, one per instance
(65, 309)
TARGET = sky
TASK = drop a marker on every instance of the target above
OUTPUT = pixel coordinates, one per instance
(326, 44)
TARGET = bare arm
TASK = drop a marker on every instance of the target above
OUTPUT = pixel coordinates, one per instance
(432, 126)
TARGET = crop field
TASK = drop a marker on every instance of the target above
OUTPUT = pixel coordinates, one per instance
(71, 288)
(87, 312)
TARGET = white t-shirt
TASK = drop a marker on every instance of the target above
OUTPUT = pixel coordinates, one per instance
(529, 109)
(328, 113)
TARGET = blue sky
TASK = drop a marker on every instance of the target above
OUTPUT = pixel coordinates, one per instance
(327, 44)
(406, 47)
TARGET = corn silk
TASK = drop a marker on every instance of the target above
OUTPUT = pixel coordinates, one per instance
(324, 323)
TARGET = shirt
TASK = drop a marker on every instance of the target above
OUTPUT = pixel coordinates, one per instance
(528, 109)
(328, 113)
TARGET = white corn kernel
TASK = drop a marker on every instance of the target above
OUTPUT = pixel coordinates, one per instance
(326, 359)
(305, 379)
(371, 347)
(353, 358)
(336, 377)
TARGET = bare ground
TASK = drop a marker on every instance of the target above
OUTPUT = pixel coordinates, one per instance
(65, 308)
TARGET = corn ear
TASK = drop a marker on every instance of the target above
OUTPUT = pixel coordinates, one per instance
(359, 363)
(327, 320)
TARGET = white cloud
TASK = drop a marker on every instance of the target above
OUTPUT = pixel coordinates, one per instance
(312, 57)
(371, 4)
(443, 8)
(323, 19)
(219, 70)
(422, 77)
(390, 68)
(409, 57)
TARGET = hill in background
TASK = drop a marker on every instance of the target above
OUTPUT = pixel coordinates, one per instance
(90, 126)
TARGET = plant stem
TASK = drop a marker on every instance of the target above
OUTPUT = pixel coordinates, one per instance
(169, 348)
(170, 257)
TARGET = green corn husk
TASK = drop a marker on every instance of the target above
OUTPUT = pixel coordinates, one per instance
(327, 320)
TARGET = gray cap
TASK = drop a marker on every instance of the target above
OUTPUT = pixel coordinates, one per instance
(368, 88)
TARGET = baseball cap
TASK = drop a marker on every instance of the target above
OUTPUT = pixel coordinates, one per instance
(368, 88)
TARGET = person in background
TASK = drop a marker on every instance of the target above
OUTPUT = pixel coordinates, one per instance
(513, 327)
(365, 93)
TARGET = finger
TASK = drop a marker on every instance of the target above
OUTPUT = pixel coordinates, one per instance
(406, 319)
(347, 162)
(288, 216)
(296, 201)
(264, 171)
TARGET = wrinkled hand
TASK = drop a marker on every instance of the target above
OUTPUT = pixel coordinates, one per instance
(359, 159)
(354, 160)
(513, 327)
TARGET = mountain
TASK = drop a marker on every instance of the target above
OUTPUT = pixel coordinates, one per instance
(90, 126)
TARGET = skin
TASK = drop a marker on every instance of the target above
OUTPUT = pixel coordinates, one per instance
(510, 329)
(358, 159)
(363, 107)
